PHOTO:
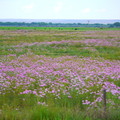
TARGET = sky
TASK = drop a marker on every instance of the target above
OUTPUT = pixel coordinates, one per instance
(59, 9)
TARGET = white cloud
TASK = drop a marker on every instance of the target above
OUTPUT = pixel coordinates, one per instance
(58, 7)
(28, 7)
(86, 10)
(101, 10)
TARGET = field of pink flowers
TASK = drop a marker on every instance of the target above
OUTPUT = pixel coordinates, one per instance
(73, 83)
(41, 76)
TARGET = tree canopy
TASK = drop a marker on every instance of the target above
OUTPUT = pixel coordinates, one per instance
(50, 24)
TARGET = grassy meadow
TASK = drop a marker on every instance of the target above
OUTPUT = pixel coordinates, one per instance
(59, 73)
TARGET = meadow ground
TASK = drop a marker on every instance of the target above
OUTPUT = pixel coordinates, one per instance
(59, 73)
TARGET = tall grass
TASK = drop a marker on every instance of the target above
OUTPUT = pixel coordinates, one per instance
(59, 74)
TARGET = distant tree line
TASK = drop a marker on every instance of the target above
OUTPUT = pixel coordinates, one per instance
(50, 24)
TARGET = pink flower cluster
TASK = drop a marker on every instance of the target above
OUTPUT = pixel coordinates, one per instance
(88, 42)
(44, 76)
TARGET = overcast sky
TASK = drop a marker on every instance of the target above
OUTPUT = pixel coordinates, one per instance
(60, 9)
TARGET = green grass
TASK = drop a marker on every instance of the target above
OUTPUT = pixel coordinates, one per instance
(26, 107)
(109, 52)
(56, 28)
(106, 52)
(19, 39)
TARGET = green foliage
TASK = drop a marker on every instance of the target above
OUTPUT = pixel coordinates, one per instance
(43, 24)
(116, 24)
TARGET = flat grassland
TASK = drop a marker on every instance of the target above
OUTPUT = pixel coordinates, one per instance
(59, 73)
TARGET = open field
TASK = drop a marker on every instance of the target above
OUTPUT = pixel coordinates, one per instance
(56, 28)
(59, 74)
